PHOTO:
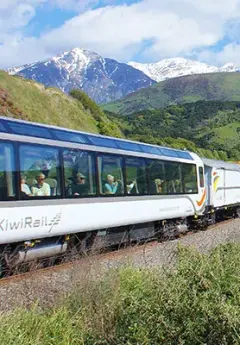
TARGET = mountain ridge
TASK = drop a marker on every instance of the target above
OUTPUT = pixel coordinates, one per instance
(177, 67)
(180, 90)
(103, 79)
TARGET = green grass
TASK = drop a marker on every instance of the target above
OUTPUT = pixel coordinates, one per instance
(197, 302)
(208, 87)
(32, 101)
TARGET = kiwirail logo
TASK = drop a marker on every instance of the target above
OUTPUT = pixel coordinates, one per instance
(30, 223)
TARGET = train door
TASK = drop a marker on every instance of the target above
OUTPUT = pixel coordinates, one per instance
(218, 187)
(208, 183)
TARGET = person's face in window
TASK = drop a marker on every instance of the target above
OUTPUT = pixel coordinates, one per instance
(80, 180)
(40, 179)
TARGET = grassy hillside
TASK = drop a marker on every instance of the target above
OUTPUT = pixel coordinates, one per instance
(210, 128)
(32, 101)
(208, 87)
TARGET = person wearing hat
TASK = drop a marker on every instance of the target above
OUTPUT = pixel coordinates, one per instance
(79, 187)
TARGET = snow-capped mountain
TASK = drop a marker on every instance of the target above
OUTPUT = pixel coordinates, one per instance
(104, 80)
(176, 67)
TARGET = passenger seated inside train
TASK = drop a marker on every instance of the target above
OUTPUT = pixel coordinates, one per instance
(79, 186)
(132, 187)
(159, 185)
(111, 187)
(25, 190)
(41, 188)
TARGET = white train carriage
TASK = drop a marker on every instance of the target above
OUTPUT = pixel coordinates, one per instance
(223, 185)
(56, 183)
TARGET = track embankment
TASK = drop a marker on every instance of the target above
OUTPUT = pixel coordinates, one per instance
(48, 286)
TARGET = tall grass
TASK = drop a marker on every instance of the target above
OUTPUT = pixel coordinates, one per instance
(196, 302)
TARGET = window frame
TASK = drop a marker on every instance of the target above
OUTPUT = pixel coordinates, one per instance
(123, 174)
(145, 160)
(54, 197)
(16, 177)
(176, 162)
(95, 177)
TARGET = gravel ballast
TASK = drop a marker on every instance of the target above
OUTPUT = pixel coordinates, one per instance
(48, 287)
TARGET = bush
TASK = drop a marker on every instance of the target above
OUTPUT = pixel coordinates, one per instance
(197, 302)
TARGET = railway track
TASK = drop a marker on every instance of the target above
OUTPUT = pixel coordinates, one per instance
(109, 254)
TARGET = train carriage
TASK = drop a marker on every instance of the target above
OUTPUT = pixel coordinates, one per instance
(60, 187)
(223, 186)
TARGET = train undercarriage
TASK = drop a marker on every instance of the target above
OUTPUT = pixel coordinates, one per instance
(15, 258)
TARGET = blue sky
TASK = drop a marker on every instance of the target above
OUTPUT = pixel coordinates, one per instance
(142, 31)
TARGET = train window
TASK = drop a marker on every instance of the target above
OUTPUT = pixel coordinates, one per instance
(99, 141)
(173, 177)
(151, 149)
(168, 152)
(184, 155)
(70, 136)
(189, 175)
(201, 177)
(125, 145)
(110, 174)
(2, 128)
(136, 176)
(7, 172)
(40, 171)
(79, 173)
(157, 180)
(34, 131)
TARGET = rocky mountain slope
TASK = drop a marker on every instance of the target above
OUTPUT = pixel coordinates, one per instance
(104, 80)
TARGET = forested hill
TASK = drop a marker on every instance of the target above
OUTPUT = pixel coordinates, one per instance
(209, 128)
(208, 87)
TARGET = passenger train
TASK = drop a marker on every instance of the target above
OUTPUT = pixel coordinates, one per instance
(61, 188)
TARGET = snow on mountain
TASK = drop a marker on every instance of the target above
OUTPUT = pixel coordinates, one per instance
(176, 67)
(104, 80)
(16, 70)
(229, 67)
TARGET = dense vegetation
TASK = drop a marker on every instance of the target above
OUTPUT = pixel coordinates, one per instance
(211, 129)
(28, 100)
(192, 88)
(208, 128)
(196, 303)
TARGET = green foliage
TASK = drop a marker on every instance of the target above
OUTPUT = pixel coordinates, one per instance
(192, 88)
(104, 124)
(210, 129)
(196, 303)
(28, 100)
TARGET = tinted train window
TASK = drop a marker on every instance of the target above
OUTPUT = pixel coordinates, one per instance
(136, 176)
(70, 136)
(110, 174)
(7, 172)
(79, 173)
(25, 129)
(201, 177)
(40, 171)
(156, 174)
(173, 177)
(189, 174)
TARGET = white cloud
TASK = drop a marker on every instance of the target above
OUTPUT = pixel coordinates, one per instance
(229, 53)
(175, 27)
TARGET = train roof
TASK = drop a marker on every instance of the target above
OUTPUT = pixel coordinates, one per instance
(213, 163)
(26, 128)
